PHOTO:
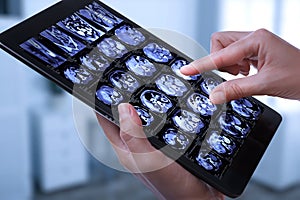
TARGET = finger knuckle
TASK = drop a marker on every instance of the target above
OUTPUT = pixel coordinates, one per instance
(215, 36)
(219, 61)
(233, 91)
(262, 34)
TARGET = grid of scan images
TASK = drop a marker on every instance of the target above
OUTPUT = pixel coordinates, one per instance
(114, 61)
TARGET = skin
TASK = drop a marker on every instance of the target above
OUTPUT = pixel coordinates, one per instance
(278, 65)
(164, 177)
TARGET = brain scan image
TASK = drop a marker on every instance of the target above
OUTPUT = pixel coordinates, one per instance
(201, 104)
(222, 144)
(95, 62)
(63, 41)
(140, 66)
(177, 65)
(146, 117)
(156, 101)
(208, 84)
(78, 75)
(175, 139)
(112, 48)
(77, 26)
(40, 51)
(171, 85)
(158, 53)
(188, 122)
(130, 35)
(124, 81)
(100, 16)
(246, 108)
(109, 96)
(209, 161)
(233, 125)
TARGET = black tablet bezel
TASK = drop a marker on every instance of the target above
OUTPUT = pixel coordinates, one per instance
(232, 183)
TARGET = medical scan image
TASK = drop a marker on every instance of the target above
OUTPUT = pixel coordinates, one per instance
(37, 49)
(188, 122)
(109, 95)
(124, 81)
(201, 104)
(63, 41)
(221, 143)
(140, 66)
(234, 126)
(158, 53)
(177, 65)
(130, 35)
(209, 83)
(246, 108)
(209, 161)
(145, 116)
(78, 75)
(156, 101)
(100, 16)
(171, 85)
(94, 61)
(79, 27)
(112, 48)
(176, 139)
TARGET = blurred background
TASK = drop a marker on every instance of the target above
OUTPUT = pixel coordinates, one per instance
(40, 152)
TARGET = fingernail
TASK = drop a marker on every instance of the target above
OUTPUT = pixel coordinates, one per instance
(124, 110)
(185, 69)
(217, 97)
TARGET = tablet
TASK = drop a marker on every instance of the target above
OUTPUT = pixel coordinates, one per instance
(104, 59)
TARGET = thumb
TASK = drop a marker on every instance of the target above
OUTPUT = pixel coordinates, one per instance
(131, 130)
(145, 157)
(236, 89)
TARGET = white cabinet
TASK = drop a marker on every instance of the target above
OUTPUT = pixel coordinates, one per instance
(61, 160)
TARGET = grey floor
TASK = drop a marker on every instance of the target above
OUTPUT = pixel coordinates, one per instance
(124, 186)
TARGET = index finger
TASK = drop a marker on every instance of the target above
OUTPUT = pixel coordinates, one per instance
(230, 55)
(198, 66)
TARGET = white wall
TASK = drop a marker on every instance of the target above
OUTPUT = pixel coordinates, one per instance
(168, 14)
(30, 7)
(15, 173)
